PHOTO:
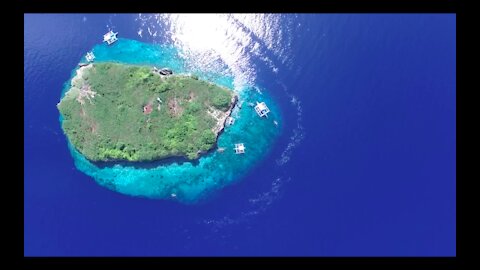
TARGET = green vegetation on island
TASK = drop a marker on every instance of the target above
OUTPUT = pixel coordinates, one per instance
(124, 112)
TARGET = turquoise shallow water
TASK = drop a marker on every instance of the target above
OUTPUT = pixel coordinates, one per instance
(187, 182)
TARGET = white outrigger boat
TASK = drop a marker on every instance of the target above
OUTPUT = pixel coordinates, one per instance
(239, 148)
(262, 109)
(110, 37)
(90, 56)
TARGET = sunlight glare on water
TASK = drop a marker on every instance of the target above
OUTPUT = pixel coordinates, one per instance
(210, 41)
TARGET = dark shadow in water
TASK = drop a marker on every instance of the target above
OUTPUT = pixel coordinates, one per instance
(143, 164)
(153, 163)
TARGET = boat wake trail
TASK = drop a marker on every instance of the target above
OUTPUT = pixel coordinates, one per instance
(298, 131)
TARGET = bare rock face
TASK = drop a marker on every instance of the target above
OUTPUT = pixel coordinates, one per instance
(221, 116)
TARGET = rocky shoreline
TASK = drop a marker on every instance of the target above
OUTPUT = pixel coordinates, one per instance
(221, 117)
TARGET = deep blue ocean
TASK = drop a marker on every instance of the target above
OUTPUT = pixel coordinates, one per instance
(364, 164)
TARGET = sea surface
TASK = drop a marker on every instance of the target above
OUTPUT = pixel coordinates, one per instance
(179, 179)
(362, 162)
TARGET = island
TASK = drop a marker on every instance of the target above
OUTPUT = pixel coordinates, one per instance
(116, 111)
